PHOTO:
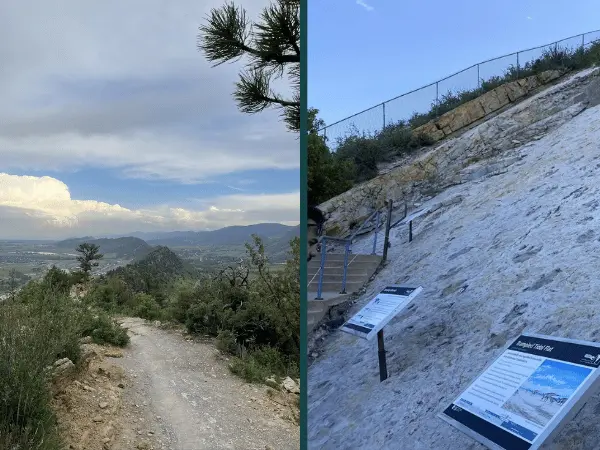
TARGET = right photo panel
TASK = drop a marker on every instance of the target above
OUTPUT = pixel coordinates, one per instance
(453, 226)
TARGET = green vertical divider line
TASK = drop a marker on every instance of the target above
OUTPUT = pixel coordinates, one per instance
(303, 231)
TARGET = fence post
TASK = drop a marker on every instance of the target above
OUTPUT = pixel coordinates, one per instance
(388, 224)
(518, 66)
(383, 104)
(376, 233)
(325, 134)
(437, 98)
(478, 78)
(583, 42)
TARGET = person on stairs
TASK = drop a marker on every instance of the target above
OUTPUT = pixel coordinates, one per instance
(315, 222)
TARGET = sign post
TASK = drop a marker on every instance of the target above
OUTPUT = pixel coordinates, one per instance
(376, 314)
(383, 374)
(524, 397)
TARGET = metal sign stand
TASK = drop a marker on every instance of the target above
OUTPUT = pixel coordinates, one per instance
(383, 373)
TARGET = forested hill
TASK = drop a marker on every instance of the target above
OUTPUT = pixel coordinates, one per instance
(123, 247)
(158, 268)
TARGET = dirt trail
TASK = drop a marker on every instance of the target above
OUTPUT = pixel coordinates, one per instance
(181, 396)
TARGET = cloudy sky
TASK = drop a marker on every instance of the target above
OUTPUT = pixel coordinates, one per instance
(112, 121)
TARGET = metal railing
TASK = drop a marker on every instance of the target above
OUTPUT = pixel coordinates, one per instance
(347, 250)
(423, 104)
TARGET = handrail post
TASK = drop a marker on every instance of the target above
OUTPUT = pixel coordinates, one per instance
(322, 268)
(387, 229)
(346, 254)
(376, 233)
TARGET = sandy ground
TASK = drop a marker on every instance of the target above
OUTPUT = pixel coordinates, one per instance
(518, 251)
(167, 391)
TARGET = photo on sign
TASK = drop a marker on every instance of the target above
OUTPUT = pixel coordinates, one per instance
(544, 393)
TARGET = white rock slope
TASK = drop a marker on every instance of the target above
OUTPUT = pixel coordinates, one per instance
(521, 251)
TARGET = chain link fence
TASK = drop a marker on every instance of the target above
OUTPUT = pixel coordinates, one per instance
(428, 102)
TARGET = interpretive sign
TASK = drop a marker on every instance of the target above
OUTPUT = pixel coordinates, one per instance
(379, 311)
(528, 393)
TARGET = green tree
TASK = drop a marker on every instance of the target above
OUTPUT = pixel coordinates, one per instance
(89, 255)
(328, 174)
(12, 283)
(272, 46)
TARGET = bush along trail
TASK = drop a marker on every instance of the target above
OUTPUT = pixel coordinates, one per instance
(192, 361)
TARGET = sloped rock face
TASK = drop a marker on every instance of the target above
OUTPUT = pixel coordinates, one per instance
(518, 253)
(441, 167)
(482, 106)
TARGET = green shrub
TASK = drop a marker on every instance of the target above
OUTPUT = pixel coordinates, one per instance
(104, 330)
(34, 332)
(145, 306)
(111, 294)
(263, 363)
(226, 342)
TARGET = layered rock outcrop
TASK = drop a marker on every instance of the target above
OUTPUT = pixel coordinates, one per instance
(430, 172)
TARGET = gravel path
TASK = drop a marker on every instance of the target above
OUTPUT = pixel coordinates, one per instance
(187, 399)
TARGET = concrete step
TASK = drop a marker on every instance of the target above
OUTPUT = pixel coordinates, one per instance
(350, 277)
(338, 273)
(340, 258)
(335, 286)
(365, 266)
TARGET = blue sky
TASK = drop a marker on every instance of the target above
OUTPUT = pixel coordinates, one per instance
(362, 53)
(558, 377)
(113, 121)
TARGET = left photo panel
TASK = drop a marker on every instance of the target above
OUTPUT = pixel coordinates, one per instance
(150, 250)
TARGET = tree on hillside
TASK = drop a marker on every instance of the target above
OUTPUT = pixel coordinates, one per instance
(328, 174)
(89, 255)
(272, 46)
(12, 283)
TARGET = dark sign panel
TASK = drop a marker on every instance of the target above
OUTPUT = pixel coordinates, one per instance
(527, 393)
(379, 311)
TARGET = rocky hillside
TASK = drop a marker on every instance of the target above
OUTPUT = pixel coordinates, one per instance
(510, 245)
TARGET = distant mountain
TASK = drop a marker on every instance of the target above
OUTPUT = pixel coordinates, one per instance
(235, 235)
(124, 247)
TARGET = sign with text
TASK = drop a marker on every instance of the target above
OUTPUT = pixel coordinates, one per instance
(535, 386)
(379, 311)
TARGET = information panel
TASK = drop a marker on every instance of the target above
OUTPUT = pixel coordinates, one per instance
(379, 311)
(528, 393)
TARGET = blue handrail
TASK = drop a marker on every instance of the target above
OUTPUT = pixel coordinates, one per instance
(347, 250)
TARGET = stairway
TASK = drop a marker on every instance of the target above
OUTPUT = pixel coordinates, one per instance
(360, 270)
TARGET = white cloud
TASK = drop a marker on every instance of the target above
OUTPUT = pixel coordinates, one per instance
(122, 85)
(42, 208)
(365, 5)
